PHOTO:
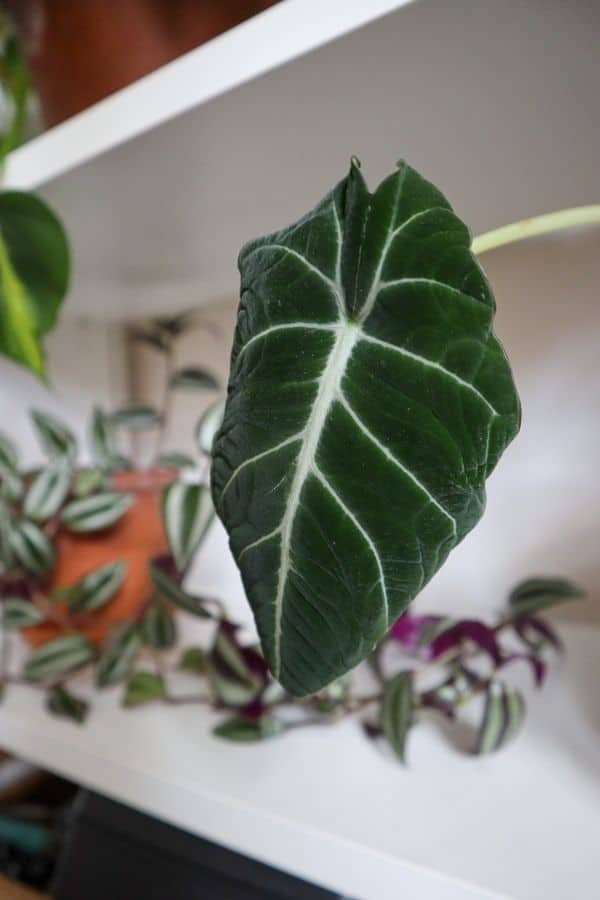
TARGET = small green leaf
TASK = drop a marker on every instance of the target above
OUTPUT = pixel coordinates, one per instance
(143, 687)
(194, 659)
(87, 481)
(97, 588)
(11, 485)
(243, 730)
(502, 717)
(34, 275)
(19, 613)
(208, 426)
(31, 548)
(172, 591)
(60, 655)
(187, 514)
(137, 418)
(397, 712)
(194, 379)
(104, 445)
(158, 627)
(174, 460)
(96, 512)
(6, 525)
(119, 655)
(55, 437)
(61, 702)
(8, 453)
(534, 594)
(232, 681)
(48, 490)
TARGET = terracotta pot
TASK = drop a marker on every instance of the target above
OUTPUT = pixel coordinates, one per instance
(136, 538)
(79, 52)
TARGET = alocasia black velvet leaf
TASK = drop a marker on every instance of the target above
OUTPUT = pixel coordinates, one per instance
(368, 401)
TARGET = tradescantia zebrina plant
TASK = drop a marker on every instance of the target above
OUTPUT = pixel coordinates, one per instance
(369, 399)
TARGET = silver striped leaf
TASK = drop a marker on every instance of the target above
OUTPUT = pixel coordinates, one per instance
(98, 587)
(96, 512)
(31, 548)
(8, 453)
(60, 655)
(368, 401)
(187, 514)
(48, 490)
(502, 717)
(18, 613)
(56, 438)
(207, 427)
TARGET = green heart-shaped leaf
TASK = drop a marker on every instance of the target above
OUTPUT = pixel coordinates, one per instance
(34, 276)
(368, 401)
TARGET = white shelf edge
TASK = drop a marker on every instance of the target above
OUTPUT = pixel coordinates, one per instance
(256, 46)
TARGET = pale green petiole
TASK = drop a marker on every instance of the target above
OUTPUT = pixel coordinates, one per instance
(526, 228)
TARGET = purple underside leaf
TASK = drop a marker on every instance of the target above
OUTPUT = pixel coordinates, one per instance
(409, 630)
(537, 665)
(253, 711)
(468, 629)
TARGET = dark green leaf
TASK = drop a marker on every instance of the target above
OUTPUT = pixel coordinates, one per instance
(48, 490)
(8, 453)
(96, 512)
(31, 548)
(368, 401)
(193, 659)
(535, 594)
(137, 418)
(143, 687)
(60, 655)
(61, 702)
(171, 590)
(397, 712)
(503, 715)
(19, 613)
(97, 588)
(187, 513)
(56, 438)
(194, 379)
(243, 730)
(158, 627)
(207, 427)
(119, 655)
(34, 275)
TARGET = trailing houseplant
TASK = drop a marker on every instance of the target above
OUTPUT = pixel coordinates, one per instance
(368, 401)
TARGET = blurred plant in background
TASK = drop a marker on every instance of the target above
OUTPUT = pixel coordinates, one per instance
(34, 253)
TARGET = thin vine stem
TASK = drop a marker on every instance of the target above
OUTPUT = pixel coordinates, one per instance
(537, 225)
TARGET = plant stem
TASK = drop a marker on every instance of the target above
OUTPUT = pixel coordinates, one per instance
(167, 401)
(527, 228)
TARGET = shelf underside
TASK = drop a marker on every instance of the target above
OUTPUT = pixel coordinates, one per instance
(496, 103)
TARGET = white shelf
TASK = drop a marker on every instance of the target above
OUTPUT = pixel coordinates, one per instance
(328, 806)
(258, 45)
(162, 183)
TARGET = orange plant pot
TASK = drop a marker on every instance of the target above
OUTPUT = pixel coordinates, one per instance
(135, 539)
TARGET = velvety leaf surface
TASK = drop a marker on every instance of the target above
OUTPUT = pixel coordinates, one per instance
(368, 401)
